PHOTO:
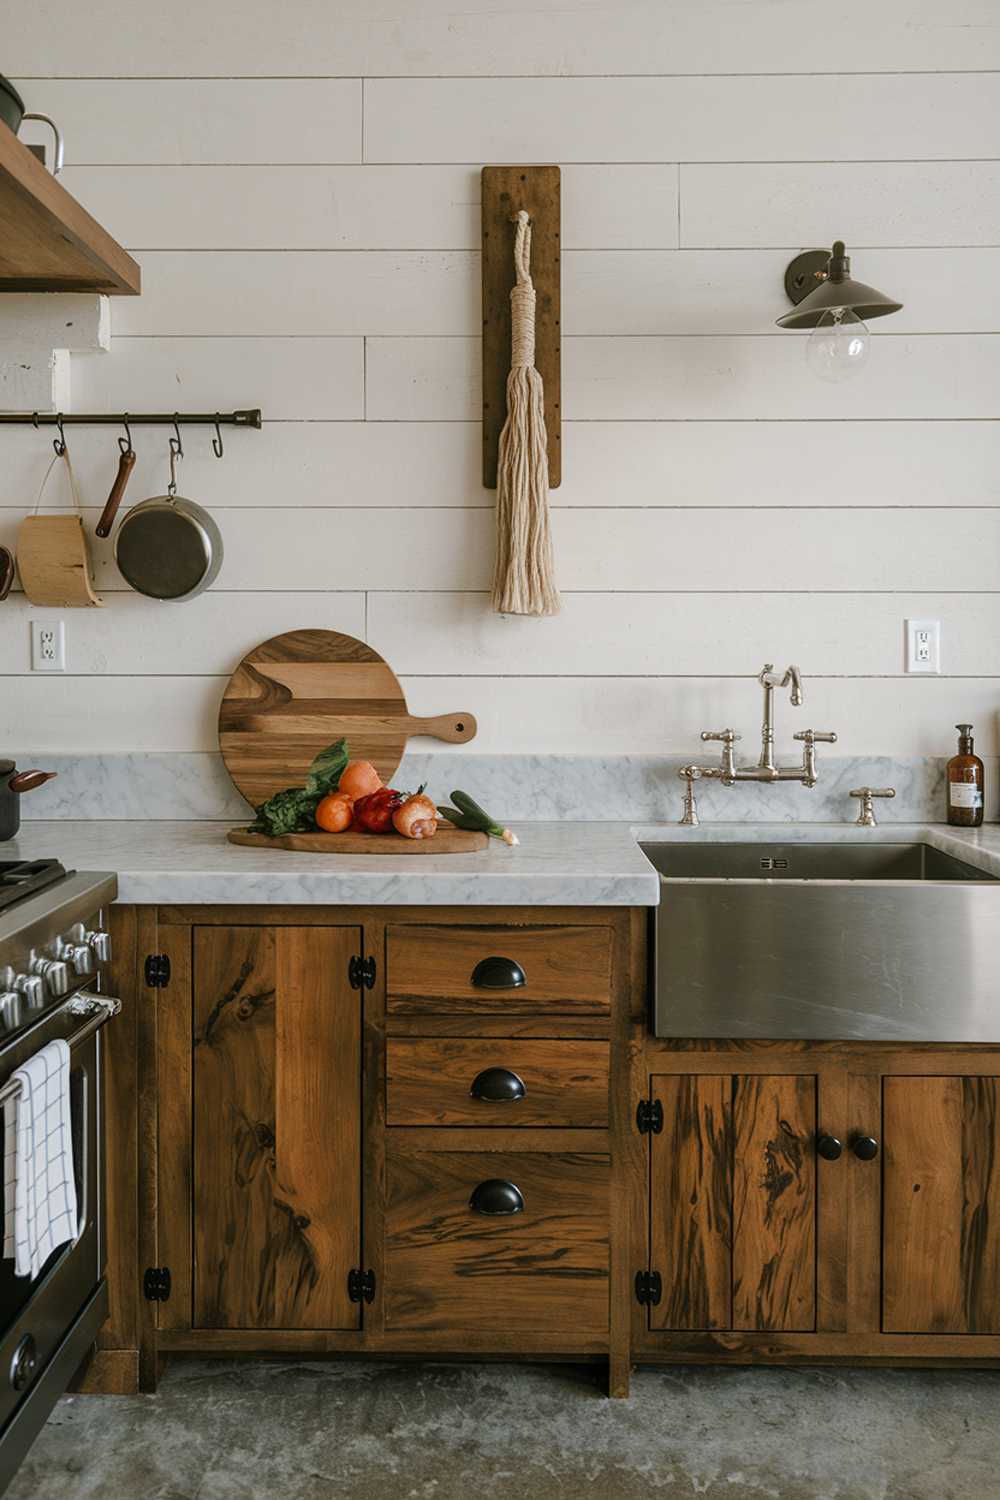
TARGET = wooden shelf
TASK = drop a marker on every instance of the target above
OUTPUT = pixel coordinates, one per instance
(48, 242)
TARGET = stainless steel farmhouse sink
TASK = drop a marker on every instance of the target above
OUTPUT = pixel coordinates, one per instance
(880, 941)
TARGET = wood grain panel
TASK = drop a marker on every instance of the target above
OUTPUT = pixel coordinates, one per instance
(942, 1206)
(774, 1203)
(449, 1267)
(430, 968)
(505, 192)
(691, 1194)
(428, 1082)
(277, 1106)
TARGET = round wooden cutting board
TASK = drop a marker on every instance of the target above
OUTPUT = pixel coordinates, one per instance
(293, 695)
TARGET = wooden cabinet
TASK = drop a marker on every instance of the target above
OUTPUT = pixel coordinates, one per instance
(733, 1202)
(941, 1235)
(265, 1083)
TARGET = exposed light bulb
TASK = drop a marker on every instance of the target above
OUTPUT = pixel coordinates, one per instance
(838, 346)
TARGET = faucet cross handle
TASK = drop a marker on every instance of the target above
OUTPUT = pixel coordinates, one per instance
(866, 812)
(727, 736)
(815, 737)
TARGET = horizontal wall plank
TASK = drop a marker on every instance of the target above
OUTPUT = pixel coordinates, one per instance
(741, 291)
(693, 379)
(453, 634)
(659, 634)
(628, 550)
(360, 208)
(898, 117)
(288, 378)
(483, 37)
(299, 293)
(607, 464)
(306, 464)
(196, 120)
(793, 463)
(207, 635)
(599, 715)
(605, 292)
(877, 203)
(426, 380)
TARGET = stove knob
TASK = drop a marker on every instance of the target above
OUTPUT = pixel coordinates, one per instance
(101, 944)
(81, 956)
(32, 987)
(55, 973)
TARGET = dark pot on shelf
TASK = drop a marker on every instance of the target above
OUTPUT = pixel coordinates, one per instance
(12, 112)
(11, 104)
(13, 783)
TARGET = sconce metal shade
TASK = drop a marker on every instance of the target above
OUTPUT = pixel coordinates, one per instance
(836, 289)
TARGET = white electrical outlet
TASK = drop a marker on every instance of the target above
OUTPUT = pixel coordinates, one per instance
(48, 646)
(923, 645)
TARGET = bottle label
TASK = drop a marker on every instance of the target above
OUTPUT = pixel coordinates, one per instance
(964, 794)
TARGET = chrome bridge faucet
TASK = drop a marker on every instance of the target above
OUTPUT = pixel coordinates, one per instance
(766, 769)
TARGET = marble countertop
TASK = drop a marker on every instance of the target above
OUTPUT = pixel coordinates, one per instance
(556, 864)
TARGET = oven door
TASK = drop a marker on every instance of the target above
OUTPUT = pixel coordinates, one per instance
(48, 1323)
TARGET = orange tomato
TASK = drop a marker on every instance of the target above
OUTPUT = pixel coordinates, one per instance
(335, 813)
(359, 779)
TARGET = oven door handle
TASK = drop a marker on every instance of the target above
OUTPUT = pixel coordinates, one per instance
(98, 1010)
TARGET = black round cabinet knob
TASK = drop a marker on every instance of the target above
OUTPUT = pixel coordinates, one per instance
(829, 1147)
(497, 1086)
(865, 1147)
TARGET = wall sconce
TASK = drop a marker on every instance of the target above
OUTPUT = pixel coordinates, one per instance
(835, 307)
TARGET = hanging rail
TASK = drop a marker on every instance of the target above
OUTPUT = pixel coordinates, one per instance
(249, 418)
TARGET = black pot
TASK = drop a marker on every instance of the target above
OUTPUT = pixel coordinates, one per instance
(12, 786)
(11, 104)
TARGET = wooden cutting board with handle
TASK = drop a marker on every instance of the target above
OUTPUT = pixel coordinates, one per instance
(295, 694)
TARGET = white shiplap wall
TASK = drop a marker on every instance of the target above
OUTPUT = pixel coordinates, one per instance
(300, 184)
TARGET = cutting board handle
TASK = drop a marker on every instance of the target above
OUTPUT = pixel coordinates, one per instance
(457, 729)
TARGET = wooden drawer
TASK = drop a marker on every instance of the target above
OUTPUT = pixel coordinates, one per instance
(430, 1082)
(449, 1266)
(440, 969)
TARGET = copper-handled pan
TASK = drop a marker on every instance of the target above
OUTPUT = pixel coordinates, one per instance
(12, 784)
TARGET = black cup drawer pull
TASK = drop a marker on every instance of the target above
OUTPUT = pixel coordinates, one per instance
(495, 1197)
(498, 974)
(497, 1086)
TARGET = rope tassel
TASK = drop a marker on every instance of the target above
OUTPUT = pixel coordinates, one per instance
(523, 581)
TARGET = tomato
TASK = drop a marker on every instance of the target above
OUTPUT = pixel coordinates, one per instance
(373, 814)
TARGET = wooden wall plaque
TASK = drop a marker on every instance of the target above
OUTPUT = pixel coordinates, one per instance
(506, 190)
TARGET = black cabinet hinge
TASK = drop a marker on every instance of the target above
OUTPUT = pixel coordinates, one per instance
(156, 1284)
(157, 971)
(361, 1285)
(648, 1288)
(649, 1117)
(361, 972)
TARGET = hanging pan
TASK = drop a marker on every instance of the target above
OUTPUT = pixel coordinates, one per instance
(169, 547)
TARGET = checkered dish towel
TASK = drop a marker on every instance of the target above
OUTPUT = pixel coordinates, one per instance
(39, 1185)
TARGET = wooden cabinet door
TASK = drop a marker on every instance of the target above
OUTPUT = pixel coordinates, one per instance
(941, 1227)
(733, 1202)
(276, 1131)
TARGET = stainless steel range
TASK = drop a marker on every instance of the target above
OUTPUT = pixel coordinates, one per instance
(54, 947)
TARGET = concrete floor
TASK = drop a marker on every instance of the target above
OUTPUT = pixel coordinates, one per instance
(271, 1430)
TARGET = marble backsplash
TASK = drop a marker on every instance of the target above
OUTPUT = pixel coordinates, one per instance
(644, 788)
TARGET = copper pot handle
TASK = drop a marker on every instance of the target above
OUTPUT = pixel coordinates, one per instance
(27, 781)
(6, 571)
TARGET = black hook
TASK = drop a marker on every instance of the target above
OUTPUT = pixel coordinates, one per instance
(176, 446)
(125, 443)
(59, 443)
(34, 420)
(217, 447)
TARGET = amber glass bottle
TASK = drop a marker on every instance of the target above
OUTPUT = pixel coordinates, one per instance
(965, 783)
